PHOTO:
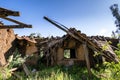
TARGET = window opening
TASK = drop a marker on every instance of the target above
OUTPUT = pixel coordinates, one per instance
(69, 53)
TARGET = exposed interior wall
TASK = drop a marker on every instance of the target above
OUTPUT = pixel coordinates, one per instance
(80, 53)
(21, 45)
(31, 48)
(60, 54)
(71, 44)
(26, 48)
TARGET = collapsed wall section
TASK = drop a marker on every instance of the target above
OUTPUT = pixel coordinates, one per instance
(7, 37)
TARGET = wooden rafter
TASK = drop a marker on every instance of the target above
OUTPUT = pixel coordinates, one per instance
(4, 13)
(15, 26)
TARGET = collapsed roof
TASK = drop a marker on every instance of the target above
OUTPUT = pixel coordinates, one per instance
(92, 43)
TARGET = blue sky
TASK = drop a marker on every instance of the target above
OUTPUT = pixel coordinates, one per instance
(92, 17)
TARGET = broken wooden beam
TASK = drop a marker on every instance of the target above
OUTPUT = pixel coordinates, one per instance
(5, 12)
(21, 25)
(27, 72)
(15, 26)
(15, 21)
(18, 76)
(54, 23)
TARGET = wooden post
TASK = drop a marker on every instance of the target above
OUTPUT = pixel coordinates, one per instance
(26, 69)
(87, 59)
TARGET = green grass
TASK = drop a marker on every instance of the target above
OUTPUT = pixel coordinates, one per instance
(106, 71)
(57, 73)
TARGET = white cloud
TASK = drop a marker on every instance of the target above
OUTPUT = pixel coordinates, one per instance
(104, 32)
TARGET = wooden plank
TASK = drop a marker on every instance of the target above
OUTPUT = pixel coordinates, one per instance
(27, 72)
(54, 23)
(87, 59)
(15, 26)
(5, 12)
(12, 20)
(18, 76)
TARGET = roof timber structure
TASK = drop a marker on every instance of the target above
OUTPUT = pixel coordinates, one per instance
(82, 38)
(4, 13)
(86, 42)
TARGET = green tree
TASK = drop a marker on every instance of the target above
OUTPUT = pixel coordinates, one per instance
(115, 11)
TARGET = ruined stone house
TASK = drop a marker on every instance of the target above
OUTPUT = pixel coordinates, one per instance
(79, 48)
(55, 50)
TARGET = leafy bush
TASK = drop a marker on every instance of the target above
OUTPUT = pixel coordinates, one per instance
(14, 61)
(4, 73)
(118, 51)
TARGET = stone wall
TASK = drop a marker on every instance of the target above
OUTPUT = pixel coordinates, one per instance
(7, 37)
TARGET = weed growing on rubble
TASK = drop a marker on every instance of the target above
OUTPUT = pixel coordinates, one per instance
(4, 73)
(118, 51)
(13, 62)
